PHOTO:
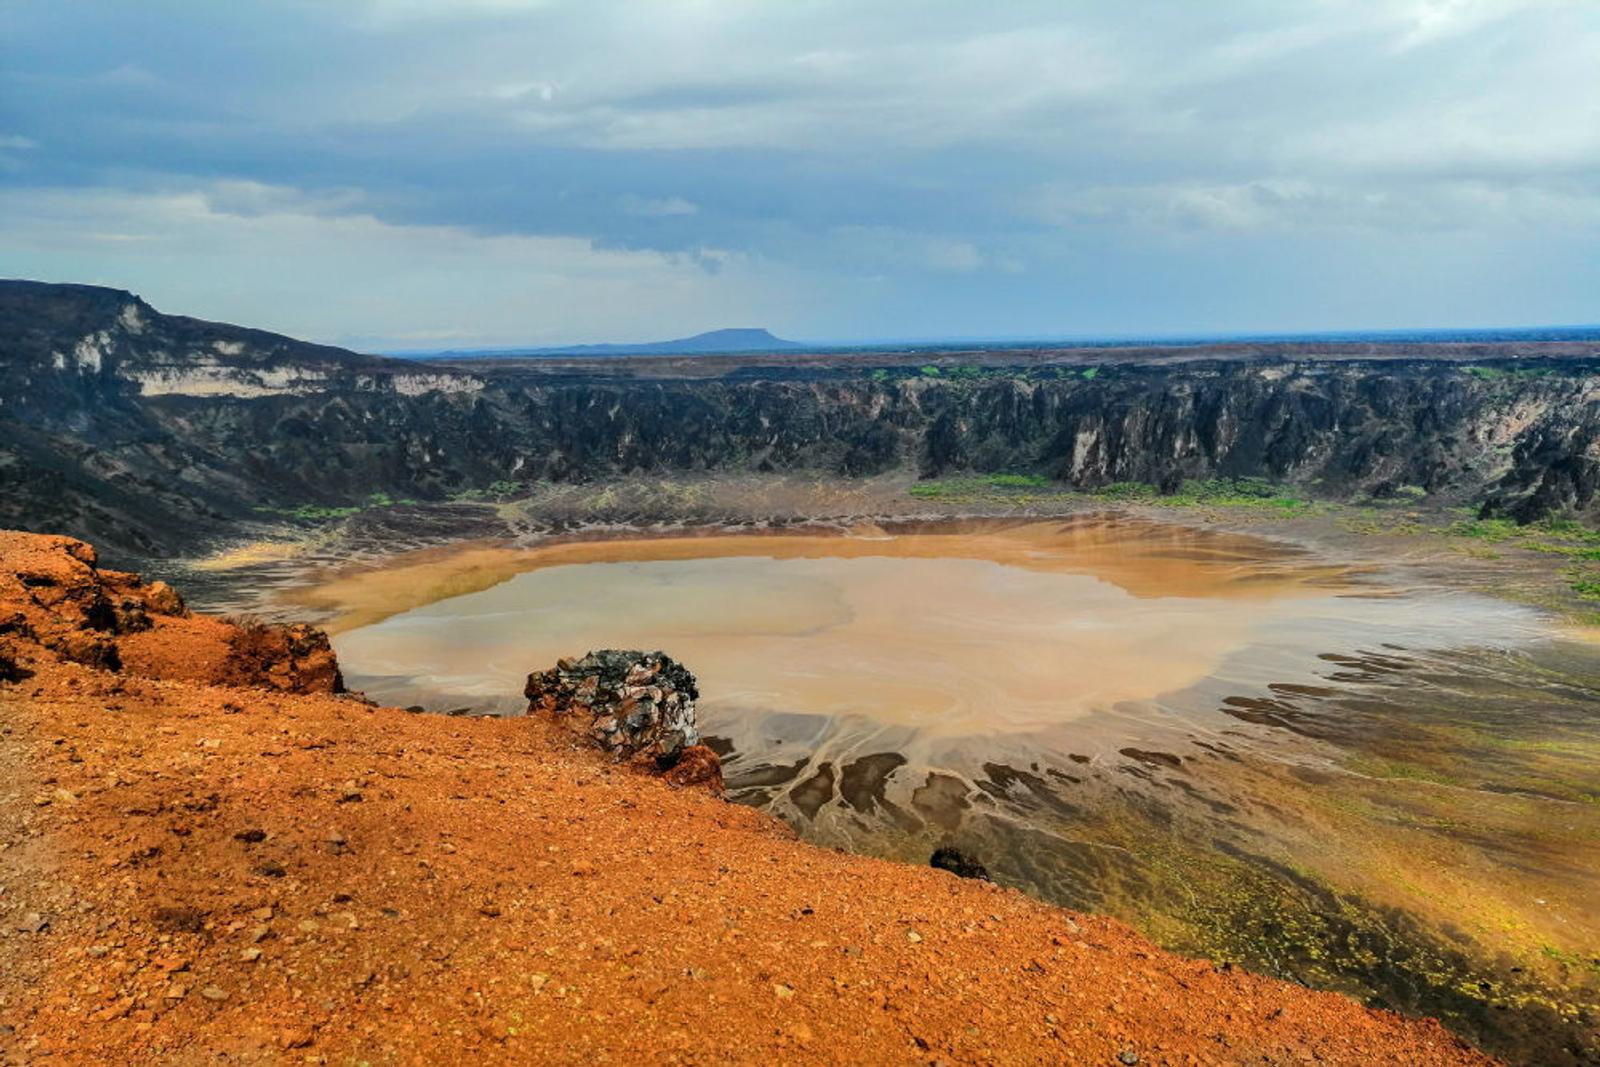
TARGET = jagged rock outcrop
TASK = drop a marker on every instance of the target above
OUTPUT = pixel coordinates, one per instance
(296, 658)
(102, 398)
(637, 706)
(60, 604)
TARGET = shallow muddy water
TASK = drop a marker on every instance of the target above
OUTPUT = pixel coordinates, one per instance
(1250, 753)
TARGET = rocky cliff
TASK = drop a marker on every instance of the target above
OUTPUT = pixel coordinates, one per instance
(152, 432)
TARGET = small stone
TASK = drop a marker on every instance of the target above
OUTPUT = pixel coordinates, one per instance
(913, 937)
(177, 992)
(269, 869)
(783, 992)
(33, 923)
(307, 926)
(295, 1038)
(1127, 1058)
(250, 955)
(250, 837)
(212, 992)
(260, 933)
(263, 915)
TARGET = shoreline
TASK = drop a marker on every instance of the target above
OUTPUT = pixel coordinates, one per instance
(261, 576)
(1341, 787)
(262, 873)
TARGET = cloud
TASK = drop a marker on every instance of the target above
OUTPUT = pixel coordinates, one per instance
(1288, 206)
(248, 255)
(981, 161)
(657, 207)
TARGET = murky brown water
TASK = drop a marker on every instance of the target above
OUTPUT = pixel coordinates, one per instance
(1250, 753)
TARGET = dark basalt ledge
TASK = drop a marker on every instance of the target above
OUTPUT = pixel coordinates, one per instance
(103, 399)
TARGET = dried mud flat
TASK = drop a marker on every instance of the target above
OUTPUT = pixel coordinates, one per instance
(196, 872)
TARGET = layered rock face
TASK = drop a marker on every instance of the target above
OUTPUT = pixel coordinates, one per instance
(103, 399)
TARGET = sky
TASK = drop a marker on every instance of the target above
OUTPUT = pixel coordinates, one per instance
(416, 174)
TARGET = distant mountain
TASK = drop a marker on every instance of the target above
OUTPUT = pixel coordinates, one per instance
(747, 339)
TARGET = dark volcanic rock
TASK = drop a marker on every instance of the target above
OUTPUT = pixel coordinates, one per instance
(958, 863)
(636, 705)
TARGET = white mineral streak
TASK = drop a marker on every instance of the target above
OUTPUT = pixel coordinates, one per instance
(132, 319)
(206, 377)
(89, 353)
(417, 384)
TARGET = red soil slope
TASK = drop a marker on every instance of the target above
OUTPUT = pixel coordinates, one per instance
(207, 855)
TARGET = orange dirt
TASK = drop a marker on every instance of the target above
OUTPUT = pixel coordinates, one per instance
(267, 872)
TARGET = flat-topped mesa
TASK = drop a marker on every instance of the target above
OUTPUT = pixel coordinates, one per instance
(638, 706)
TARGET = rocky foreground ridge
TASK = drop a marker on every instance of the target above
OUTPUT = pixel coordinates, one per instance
(152, 433)
(208, 854)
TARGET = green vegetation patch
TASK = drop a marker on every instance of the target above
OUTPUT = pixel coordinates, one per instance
(496, 491)
(1493, 374)
(1256, 493)
(314, 512)
(331, 513)
(1555, 536)
(1009, 486)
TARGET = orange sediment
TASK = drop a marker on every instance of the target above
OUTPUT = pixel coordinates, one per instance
(195, 871)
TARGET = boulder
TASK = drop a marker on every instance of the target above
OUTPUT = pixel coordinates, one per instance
(295, 658)
(958, 863)
(161, 599)
(638, 706)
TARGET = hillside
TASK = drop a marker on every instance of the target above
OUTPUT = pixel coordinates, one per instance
(213, 854)
(157, 435)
